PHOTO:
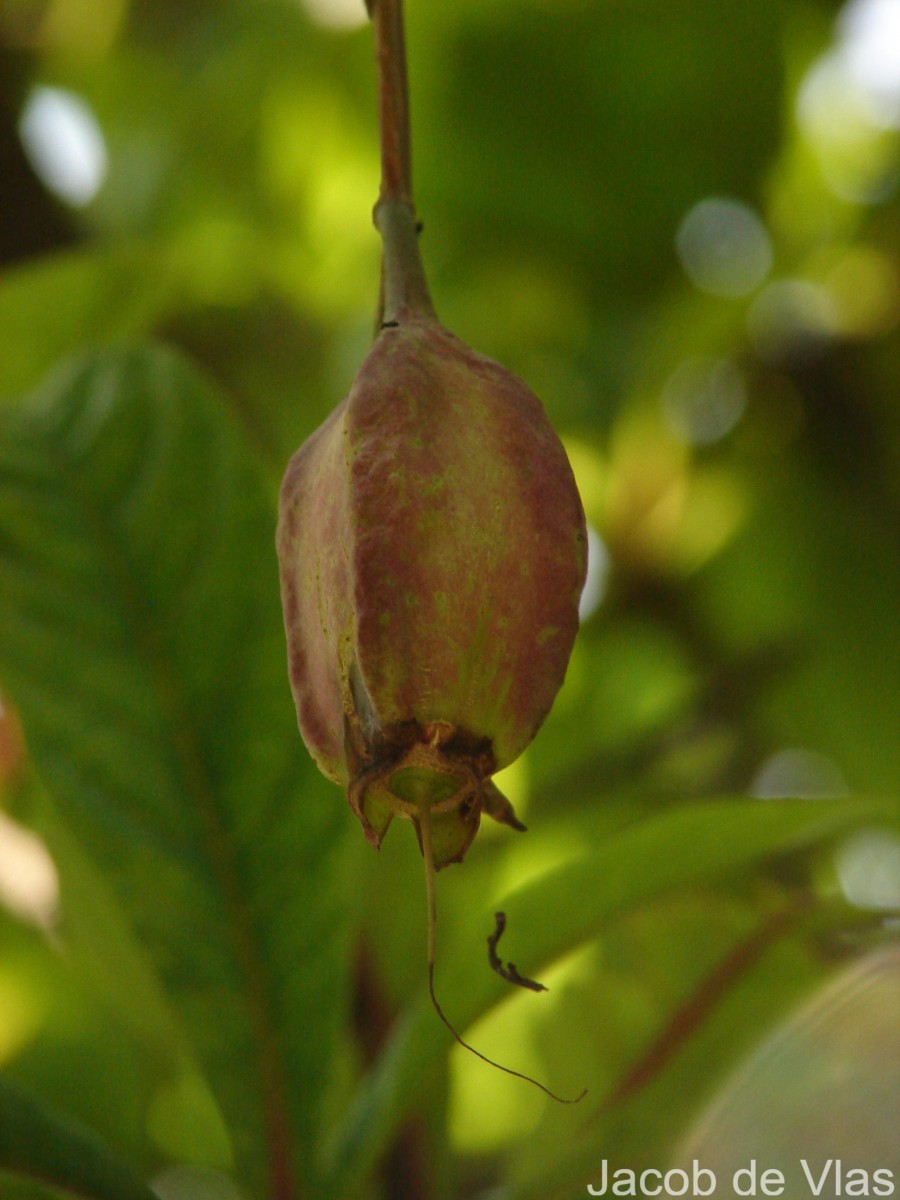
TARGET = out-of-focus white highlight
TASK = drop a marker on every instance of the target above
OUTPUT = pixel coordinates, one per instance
(870, 51)
(868, 867)
(799, 774)
(790, 317)
(724, 247)
(704, 399)
(64, 144)
(29, 885)
(597, 575)
(850, 96)
(337, 14)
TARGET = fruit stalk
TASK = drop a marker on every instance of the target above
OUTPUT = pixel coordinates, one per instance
(393, 99)
(404, 288)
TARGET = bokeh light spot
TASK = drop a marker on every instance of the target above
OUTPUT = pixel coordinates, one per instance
(864, 289)
(870, 32)
(704, 399)
(64, 144)
(836, 115)
(29, 885)
(868, 866)
(337, 14)
(790, 319)
(797, 773)
(848, 104)
(724, 247)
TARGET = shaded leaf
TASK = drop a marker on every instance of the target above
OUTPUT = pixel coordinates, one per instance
(566, 907)
(41, 1145)
(730, 997)
(102, 302)
(141, 638)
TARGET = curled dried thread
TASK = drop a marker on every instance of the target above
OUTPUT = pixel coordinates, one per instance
(490, 1061)
(507, 970)
(428, 856)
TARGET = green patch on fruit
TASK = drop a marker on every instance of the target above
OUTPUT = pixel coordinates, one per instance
(451, 834)
(420, 786)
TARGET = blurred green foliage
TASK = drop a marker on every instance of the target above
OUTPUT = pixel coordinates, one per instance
(680, 224)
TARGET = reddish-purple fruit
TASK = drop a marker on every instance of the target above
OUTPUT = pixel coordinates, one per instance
(432, 551)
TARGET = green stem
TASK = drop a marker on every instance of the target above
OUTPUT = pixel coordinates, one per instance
(428, 857)
(404, 287)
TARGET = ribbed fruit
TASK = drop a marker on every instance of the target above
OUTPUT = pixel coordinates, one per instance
(432, 551)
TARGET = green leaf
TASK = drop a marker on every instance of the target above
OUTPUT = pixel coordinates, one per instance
(101, 949)
(141, 638)
(98, 970)
(102, 302)
(563, 909)
(41, 1145)
(728, 997)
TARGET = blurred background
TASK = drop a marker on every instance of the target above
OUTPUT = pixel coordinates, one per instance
(680, 224)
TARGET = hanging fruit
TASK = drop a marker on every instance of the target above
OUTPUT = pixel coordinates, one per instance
(432, 552)
(432, 556)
